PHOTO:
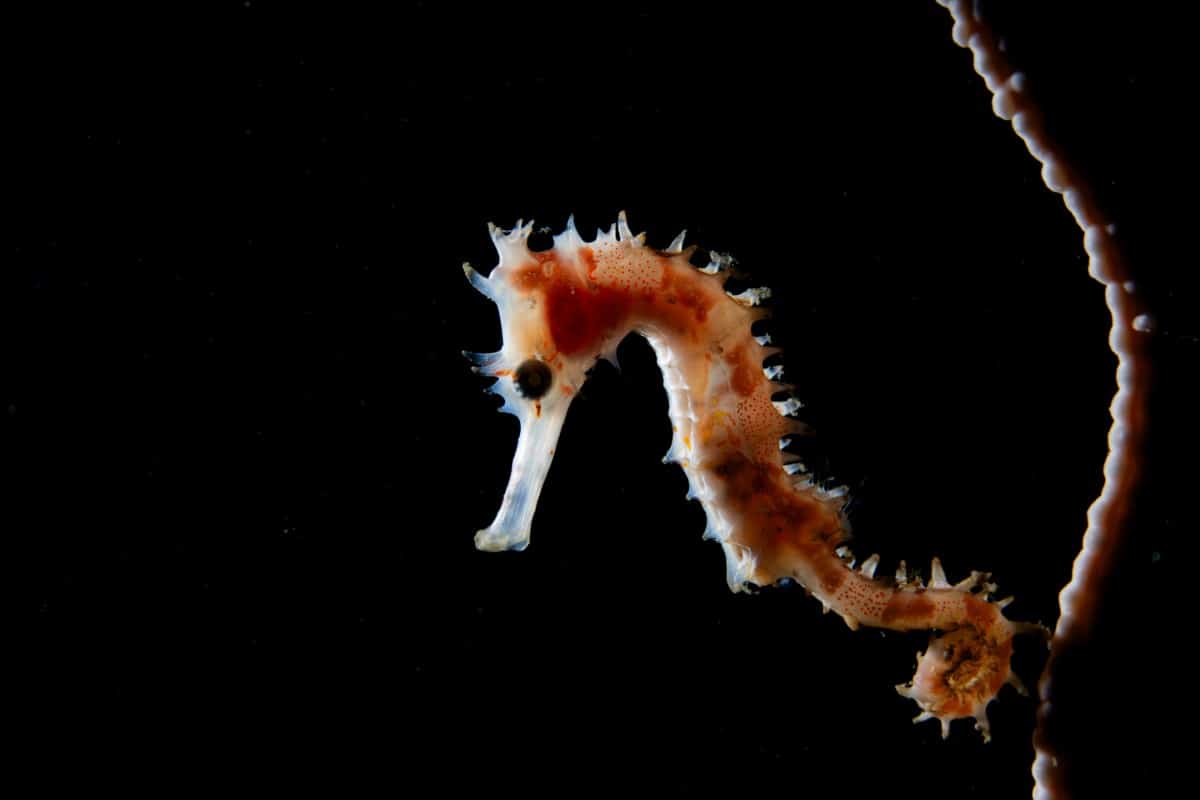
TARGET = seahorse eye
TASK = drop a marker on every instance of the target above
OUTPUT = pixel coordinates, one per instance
(533, 378)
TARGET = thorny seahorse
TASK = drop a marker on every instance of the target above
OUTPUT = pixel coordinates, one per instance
(563, 308)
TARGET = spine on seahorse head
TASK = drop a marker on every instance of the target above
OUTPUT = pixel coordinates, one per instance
(563, 308)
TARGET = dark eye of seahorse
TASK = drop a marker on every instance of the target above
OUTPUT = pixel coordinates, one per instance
(533, 379)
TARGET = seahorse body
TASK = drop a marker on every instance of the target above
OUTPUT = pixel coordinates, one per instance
(561, 309)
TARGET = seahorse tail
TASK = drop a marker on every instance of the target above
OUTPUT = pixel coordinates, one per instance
(969, 657)
(961, 672)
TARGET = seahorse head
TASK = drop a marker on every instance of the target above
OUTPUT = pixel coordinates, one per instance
(555, 320)
(534, 372)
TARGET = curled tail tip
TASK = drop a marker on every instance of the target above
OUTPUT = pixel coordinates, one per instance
(963, 671)
(944, 719)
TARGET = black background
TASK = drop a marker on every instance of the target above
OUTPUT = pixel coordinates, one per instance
(245, 460)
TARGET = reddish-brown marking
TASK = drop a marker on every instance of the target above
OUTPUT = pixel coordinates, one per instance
(980, 613)
(699, 302)
(904, 606)
(582, 313)
(668, 275)
(578, 316)
(685, 294)
(779, 523)
(581, 317)
(567, 390)
(746, 375)
(528, 278)
(589, 261)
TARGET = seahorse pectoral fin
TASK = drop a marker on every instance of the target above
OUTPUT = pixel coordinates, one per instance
(540, 426)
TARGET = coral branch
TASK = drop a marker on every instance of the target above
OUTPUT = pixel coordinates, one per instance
(1108, 517)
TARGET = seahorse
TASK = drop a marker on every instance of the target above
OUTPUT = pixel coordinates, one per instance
(563, 308)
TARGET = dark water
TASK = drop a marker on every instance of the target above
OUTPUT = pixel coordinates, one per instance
(244, 460)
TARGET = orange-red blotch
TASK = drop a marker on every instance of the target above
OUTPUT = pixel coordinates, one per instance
(579, 317)
(746, 374)
(903, 606)
(779, 524)
(688, 294)
(588, 257)
(980, 612)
